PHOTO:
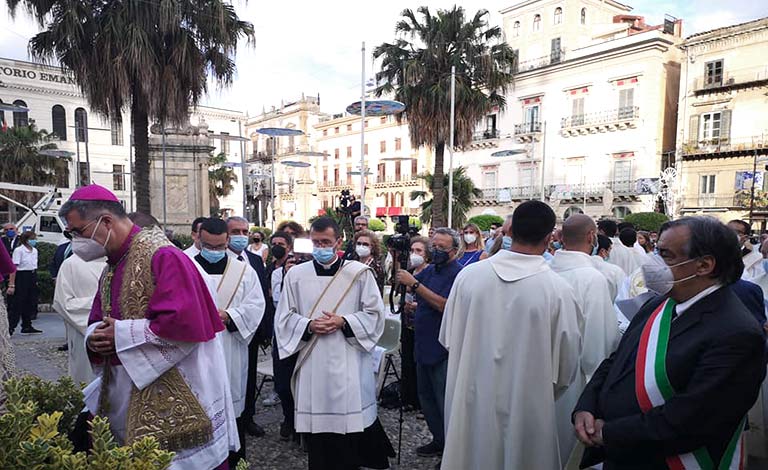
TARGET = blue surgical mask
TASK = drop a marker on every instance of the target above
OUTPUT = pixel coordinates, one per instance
(212, 256)
(323, 255)
(765, 265)
(10, 233)
(506, 243)
(557, 245)
(238, 242)
(32, 243)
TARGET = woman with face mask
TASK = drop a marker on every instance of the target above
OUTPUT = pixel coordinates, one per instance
(472, 246)
(368, 251)
(22, 285)
(419, 260)
(257, 246)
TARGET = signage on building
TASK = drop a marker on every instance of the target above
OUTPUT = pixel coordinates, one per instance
(505, 195)
(744, 180)
(647, 186)
(562, 191)
(36, 75)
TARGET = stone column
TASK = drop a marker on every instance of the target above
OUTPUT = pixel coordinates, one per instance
(187, 152)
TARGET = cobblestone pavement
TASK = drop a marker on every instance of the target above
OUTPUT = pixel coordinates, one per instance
(39, 355)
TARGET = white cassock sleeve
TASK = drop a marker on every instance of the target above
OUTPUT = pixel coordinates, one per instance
(249, 312)
(290, 325)
(450, 310)
(368, 323)
(74, 310)
(144, 355)
(601, 330)
(566, 341)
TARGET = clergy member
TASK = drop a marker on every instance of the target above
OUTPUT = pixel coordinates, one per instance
(331, 312)
(512, 334)
(751, 256)
(194, 249)
(152, 335)
(620, 254)
(676, 392)
(240, 301)
(599, 328)
(613, 274)
(76, 287)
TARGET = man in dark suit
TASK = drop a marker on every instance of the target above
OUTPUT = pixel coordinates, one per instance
(10, 237)
(237, 227)
(689, 366)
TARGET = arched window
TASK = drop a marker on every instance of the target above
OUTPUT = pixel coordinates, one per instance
(583, 16)
(59, 118)
(81, 124)
(558, 15)
(537, 23)
(620, 212)
(20, 118)
(516, 29)
(572, 210)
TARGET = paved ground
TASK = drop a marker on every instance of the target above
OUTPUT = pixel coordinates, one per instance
(38, 354)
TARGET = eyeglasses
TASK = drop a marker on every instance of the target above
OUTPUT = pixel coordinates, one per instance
(78, 232)
(323, 243)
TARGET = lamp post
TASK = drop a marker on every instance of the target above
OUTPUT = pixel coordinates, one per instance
(450, 146)
(276, 132)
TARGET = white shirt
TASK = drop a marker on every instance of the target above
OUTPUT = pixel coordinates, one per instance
(682, 307)
(192, 251)
(24, 259)
(277, 283)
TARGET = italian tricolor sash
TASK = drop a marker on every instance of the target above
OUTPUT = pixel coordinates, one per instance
(652, 388)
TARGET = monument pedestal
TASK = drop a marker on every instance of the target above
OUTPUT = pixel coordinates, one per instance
(187, 153)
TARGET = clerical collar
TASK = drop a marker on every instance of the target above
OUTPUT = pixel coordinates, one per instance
(116, 257)
(321, 270)
(212, 268)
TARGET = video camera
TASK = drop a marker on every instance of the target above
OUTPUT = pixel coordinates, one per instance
(400, 243)
(348, 205)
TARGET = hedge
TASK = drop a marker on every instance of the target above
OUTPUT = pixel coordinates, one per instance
(485, 221)
(377, 225)
(648, 221)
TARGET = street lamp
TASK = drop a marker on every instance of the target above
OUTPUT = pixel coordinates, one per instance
(276, 132)
(523, 151)
(242, 141)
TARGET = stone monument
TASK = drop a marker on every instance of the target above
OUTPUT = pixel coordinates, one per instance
(187, 152)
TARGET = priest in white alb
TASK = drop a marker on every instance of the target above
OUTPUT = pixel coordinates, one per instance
(620, 254)
(76, 287)
(240, 301)
(332, 314)
(599, 328)
(511, 329)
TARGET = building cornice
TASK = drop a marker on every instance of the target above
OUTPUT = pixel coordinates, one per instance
(47, 91)
(524, 4)
(720, 34)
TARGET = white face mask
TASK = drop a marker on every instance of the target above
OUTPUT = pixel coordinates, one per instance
(89, 249)
(659, 277)
(363, 251)
(416, 260)
(470, 238)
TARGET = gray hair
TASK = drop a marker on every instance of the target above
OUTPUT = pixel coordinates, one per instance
(92, 209)
(455, 241)
(361, 217)
(237, 218)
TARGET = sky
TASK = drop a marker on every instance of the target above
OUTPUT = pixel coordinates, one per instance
(311, 47)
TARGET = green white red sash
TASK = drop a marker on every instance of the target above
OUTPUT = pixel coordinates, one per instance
(652, 388)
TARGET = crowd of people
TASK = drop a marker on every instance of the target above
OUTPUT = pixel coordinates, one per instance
(534, 346)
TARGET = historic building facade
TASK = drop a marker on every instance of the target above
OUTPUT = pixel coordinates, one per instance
(591, 115)
(722, 126)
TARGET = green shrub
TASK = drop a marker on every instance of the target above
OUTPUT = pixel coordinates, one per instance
(183, 239)
(266, 231)
(64, 396)
(46, 285)
(377, 225)
(485, 221)
(45, 252)
(649, 221)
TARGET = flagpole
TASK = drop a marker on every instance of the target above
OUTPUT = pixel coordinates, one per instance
(450, 147)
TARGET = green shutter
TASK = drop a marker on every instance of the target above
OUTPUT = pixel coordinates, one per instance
(725, 125)
(693, 131)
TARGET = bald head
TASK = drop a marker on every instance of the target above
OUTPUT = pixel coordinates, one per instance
(579, 231)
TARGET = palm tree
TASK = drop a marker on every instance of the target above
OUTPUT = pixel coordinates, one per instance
(22, 163)
(464, 191)
(220, 179)
(416, 70)
(151, 56)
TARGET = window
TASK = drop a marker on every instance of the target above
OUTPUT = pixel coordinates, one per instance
(556, 51)
(383, 146)
(118, 177)
(49, 224)
(489, 178)
(336, 154)
(325, 132)
(116, 126)
(336, 179)
(20, 118)
(537, 23)
(525, 177)
(336, 130)
(707, 184)
(85, 179)
(383, 120)
(626, 103)
(398, 144)
(558, 15)
(325, 176)
(622, 175)
(414, 168)
(516, 29)
(59, 119)
(349, 174)
(532, 119)
(382, 172)
(490, 126)
(709, 129)
(349, 127)
(398, 168)
(583, 16)
(620, 212)
(713, 73)
(81, 125)
(349, 152)
(62, 175)
(365, 149)
(577, 111)
(225, 143)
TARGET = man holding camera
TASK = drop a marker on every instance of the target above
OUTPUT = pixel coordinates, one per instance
(431, 288)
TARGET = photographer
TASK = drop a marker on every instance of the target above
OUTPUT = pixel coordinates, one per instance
(431, 288)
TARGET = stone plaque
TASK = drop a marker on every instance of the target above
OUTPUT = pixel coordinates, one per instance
(177, 193)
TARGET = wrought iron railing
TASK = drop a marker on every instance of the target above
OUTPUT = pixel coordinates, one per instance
(726, 144)
(533, 127)
(486, 134)
(612, 116)
(536, 63)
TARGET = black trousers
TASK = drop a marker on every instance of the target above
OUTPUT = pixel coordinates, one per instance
(408, 388)
(235, 457)
(23, 303)
(283, 370)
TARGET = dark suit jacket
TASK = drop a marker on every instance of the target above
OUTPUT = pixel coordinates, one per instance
(714, 362)
(11, 244)
(264, 331)
(751, 295)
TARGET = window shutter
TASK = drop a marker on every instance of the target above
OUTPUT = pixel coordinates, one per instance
(725, 125)
(693, 130)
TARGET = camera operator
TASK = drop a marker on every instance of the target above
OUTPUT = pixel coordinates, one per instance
(418, 262)
(431, 288)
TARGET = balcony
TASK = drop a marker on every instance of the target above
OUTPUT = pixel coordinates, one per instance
(527, 131)
(539, 62)
(603, 121)
(484, 138)
(721, 202)
(486, 134)
(509, 194)
(753, 77)
(725, 147)
(394, 181)
(621, 190)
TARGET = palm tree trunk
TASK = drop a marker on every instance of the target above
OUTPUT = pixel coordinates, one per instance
(438, 186)
(140, 129)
